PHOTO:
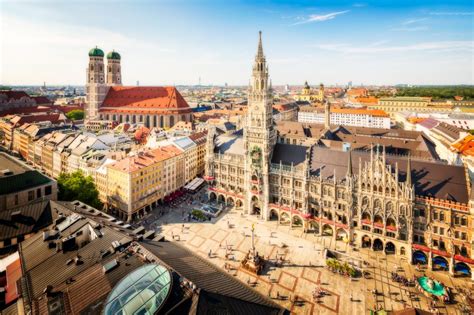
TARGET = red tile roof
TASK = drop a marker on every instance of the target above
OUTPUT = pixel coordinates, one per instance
(14, 94)
(39, 109)
(145, 97)
(42, 100)
(13, 275)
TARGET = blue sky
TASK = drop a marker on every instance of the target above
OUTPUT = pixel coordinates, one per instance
(176, 42)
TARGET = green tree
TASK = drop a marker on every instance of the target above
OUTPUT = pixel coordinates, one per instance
(76, 186)
(75, 114)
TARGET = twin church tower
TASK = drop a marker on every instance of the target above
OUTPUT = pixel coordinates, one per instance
(100, 78)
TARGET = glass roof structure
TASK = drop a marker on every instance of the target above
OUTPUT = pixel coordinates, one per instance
(141, 292)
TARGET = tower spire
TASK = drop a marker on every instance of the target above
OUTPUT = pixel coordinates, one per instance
(260, 46)
(408, 178)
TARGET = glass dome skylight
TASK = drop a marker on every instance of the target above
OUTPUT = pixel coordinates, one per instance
(141, 292)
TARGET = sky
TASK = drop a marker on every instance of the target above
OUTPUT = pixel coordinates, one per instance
(179, 42)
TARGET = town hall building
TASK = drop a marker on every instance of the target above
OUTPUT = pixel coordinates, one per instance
(412, 207)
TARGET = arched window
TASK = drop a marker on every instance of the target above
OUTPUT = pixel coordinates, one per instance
(161, 122)
(365, 202)
(389, 206)
(402, 210)
(171, 121)
(377, 204)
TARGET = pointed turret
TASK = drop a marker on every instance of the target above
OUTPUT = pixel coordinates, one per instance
(349, 165)
(408, 179)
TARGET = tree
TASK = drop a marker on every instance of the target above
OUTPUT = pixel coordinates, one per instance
(75, 114)
(76, 186)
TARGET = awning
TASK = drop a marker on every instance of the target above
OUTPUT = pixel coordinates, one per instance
(194, 184)
(464, 259)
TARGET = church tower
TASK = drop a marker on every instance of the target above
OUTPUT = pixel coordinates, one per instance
(96, 89)
(259, 137)
(321, 92)
(114, 76)
(327, 115)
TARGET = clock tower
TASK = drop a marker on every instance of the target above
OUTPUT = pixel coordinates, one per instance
(259, 137)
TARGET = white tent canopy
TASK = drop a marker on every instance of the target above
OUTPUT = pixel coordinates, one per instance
(194, 184)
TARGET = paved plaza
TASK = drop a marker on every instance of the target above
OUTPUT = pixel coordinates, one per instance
(296, 264)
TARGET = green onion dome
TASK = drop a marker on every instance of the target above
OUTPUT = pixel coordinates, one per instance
(96, 52)
(113, 55)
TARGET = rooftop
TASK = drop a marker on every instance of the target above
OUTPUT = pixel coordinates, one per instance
(87, 267)
(16, 176)
(152, 97)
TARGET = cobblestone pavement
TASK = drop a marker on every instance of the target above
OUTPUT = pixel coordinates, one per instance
(303, 270)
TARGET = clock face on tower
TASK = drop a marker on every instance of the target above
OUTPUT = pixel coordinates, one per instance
(256, 156)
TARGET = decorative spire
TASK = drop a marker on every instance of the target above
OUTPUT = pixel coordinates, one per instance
(408, 179)
(260, 46)
(349, 164)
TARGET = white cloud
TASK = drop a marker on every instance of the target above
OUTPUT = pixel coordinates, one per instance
(320, 18)
(441, 46)
(413, 21)
(410, 29)
(453, 13)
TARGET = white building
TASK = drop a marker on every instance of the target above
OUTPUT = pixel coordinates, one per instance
(460, 120)
(346, 117)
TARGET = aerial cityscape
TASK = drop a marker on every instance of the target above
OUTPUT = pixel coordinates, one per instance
(204, 157)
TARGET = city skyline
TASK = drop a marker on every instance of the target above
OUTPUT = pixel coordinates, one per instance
(177, 44)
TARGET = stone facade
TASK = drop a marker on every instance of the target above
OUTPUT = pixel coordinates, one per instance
(392, 204)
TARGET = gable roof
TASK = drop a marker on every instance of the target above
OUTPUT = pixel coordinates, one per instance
(144, 97)
(33, 217)
(431, 179)
(289, 154)
(209, 278)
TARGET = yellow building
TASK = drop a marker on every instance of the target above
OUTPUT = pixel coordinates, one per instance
(138, 183)
(200, 139)
(308, 95)
(396, 104)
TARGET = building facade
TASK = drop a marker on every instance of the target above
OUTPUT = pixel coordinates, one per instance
(388, 203)
(20, 185)
(396, 104)
(308, 95)
(108, 102)
(346, 116)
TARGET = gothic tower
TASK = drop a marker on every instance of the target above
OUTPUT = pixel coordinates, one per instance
(259, 137)
(114, 76)
(96, 89)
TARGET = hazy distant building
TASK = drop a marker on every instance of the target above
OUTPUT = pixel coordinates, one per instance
(308, 95)
(346, 117)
